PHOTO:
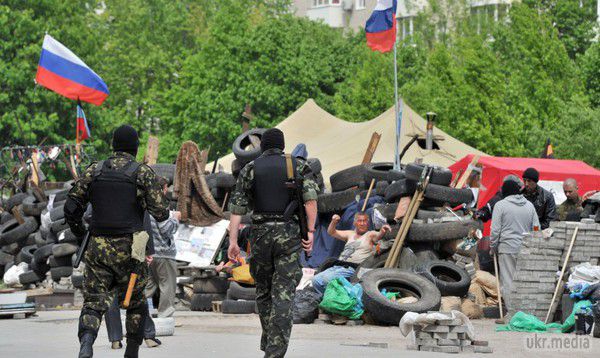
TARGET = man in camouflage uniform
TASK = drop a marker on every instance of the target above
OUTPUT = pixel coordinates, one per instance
(571, 208)
(275, 243)
(120, 190)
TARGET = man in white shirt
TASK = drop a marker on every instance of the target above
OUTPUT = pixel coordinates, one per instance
(360, 244)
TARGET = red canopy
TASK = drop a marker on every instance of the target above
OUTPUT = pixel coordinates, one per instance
(552, 173)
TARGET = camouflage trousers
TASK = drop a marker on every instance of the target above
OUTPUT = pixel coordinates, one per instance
(108, 265)
(275, 266)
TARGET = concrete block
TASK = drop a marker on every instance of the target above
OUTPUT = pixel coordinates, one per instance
(465, 342)
(448, 342)
(479, 349)
(449, 322)
(412, 347)
(445, 349)
(424, 335)
(436, 328)
(426, 342)
(446, 335)
(458, 329)
(480, 343)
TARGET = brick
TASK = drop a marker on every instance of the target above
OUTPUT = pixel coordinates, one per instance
(426, 341)
(447, 349)
(458, 329)
(412, 347)
(465, 342)
(448, 342)
(480, 343)
(435, 328)
(480, 349)
(424, 335)
(446, 335)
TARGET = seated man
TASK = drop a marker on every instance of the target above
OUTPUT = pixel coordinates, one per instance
(360, 244)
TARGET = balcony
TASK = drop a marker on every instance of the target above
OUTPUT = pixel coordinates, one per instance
(330, 11)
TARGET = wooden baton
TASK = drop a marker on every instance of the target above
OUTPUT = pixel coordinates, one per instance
(132, 279)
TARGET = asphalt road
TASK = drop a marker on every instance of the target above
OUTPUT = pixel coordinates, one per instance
(53, 334)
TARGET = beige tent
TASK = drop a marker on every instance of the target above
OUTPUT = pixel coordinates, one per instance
(340, 144)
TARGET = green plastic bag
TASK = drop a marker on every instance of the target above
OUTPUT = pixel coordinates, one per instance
(523, 322)
(343, 298)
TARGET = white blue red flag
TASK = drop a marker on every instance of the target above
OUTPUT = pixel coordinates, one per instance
(381, 26)
(83, 130)
(61, 71)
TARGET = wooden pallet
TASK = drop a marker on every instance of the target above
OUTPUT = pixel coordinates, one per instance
(217, 306)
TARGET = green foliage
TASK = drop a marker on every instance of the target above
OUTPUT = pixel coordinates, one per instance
(590, 67)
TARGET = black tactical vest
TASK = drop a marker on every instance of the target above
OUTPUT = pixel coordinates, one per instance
(113, 195)
(271, 196)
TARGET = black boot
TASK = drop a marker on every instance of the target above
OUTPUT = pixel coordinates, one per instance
(86, 342)
(132, 348)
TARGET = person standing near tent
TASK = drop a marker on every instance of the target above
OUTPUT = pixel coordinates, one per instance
(485, 212)
(120, 191)
(571, 208)
(275, 239)
(513, 217)
(542, 199)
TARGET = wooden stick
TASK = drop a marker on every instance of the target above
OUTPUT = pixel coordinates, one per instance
(224, 201)
(562, 272)
(72, 160)
(151, 150)
(35, 176)
(458, 175)
(371, 148)
(129, 292)
(498, 286)
(368, 195)
(467, 173)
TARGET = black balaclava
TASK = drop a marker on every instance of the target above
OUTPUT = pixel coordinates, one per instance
(272, 138)
(125, 139)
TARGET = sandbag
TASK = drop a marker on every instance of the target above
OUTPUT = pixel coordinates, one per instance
(487, 281)
(450, 303)
(471, 309)
(476, 290)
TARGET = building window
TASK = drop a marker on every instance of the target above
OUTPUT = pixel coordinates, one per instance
(361, 4)
(319, 3)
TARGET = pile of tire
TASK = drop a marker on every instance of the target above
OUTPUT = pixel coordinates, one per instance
(43, 241)
(208, 288)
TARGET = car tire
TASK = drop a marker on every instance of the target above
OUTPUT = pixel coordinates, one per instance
(378, 172)
(41, 268)
(6, 258)
(239, 291)
(29, 277)
(58, 226)
(32, 207)
(59, 194)
(54, 261)
(211, 285)
(449, 278)
(203, 301)
(26, 254)
(77, 280)
(11, 234)
(443, 194)
(61, 250)
(439, 175)
(59, 272)
(348, 178)
(385, 311)
(57, 213)
(14, 200)
(432, 232)
(243, 141)
(238, 307)
(399, 189)
(42, 253)
(330, 203)
(5, 216)
(315, 165)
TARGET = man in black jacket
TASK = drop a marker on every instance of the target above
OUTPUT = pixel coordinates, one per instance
(542, 199)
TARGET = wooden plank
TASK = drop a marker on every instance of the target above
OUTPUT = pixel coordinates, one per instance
(560, 283)
(38, 193)
(151, 150)
(368, 195)
(467, 173)
(17, 214)
(455, 180)
(402, 208)
(70, 168)
(72, 160)
(371, 148)
(35, 175)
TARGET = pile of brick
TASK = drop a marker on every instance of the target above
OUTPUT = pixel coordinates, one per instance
(540, 259)
(447, 336)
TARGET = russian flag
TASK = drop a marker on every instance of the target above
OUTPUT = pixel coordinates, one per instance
(381, 26)
(61, 71)
(83, 130)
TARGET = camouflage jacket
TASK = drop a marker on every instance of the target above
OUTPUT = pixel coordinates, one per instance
(149, 192)
(568, 207)
(241, 201)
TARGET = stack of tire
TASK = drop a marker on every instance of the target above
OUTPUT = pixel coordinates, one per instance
(240, 299)
(221, 185)
(208, 288)
(43, 241)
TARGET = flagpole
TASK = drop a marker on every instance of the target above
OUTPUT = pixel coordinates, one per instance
(397, 110)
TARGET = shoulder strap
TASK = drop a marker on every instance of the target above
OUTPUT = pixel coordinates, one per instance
(289, 166)
(132, 169)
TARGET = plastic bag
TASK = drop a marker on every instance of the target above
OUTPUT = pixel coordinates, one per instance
(11, 276)
(343, 298)
(523, 322)
(242, 274)
(306, 305)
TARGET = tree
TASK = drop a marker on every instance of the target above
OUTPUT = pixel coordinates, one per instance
(590, 68)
